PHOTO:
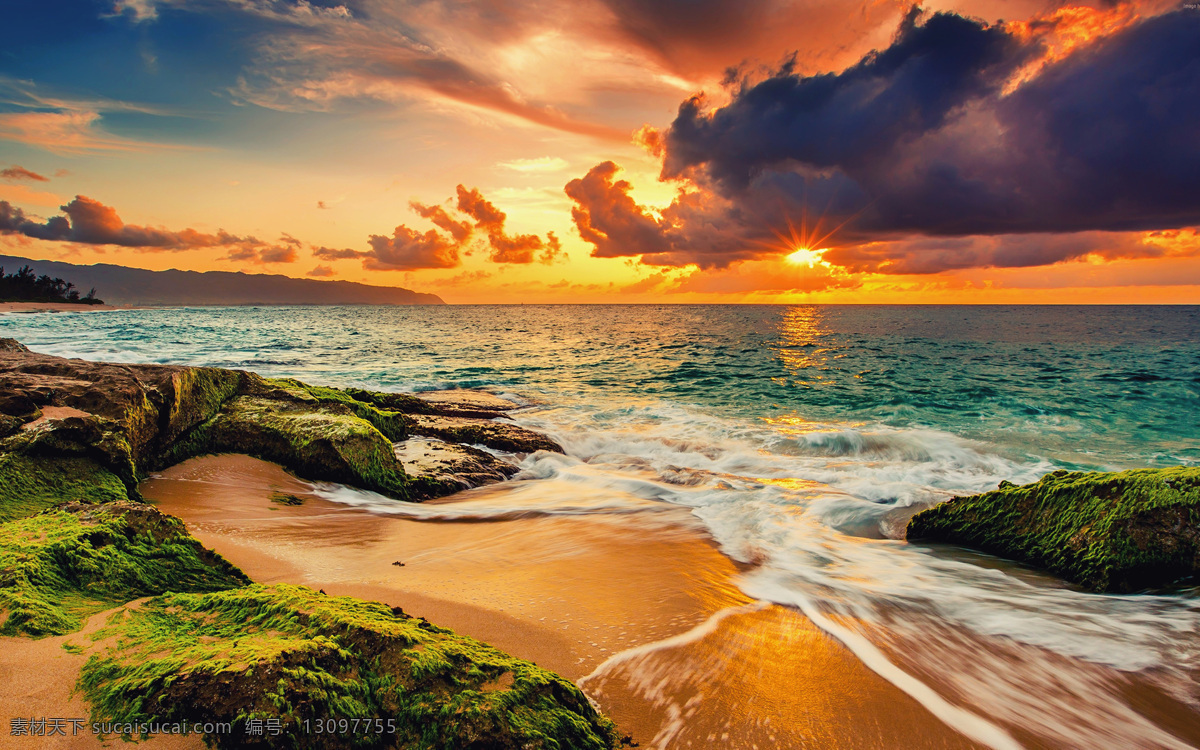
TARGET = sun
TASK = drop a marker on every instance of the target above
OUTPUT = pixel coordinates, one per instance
(806, 256)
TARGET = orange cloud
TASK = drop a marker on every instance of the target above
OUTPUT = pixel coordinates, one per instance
(90, 222)
(70, 133)
(21, 173)
(409, 249)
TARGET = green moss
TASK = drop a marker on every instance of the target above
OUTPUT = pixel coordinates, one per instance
(29, 485)
(401, 402)
(388, 421)
(197, 396)
(1109, 531)
(60, 566)
(323, 441)
(291, 654)
(284, 498)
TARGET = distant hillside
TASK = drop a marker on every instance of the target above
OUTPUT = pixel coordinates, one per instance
(119, 285)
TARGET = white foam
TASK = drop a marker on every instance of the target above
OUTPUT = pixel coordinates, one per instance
(777, 496)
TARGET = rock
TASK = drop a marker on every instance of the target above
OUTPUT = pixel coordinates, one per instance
(60, 566)
(30, 484)
(133, 413)
(313, 658)
(465, 403)
(12, 345)
(442, 468)
(324, 441)
(500, 436)
(76, 437)
(132, 419)
(1108, 531)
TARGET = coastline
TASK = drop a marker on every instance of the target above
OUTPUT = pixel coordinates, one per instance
(53, 307)
(569, 594)
(616, 590)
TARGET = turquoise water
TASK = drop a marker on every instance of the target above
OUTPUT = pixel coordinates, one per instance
(801, 437)
(1085, 386)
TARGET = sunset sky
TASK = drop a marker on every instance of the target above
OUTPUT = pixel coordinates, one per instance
(615, 150)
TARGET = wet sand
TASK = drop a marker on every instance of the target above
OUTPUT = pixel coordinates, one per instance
(573, 594)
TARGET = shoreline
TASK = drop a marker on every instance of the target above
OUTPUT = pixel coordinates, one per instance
(54, 307)
(650, 599)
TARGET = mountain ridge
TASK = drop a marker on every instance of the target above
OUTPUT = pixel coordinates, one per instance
(123, 285)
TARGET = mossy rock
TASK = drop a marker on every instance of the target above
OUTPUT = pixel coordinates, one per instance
(1108, 531)
(390, 422)
(289, 654)
(322, 441)
(99, 439)
(500, 436)
(60, 566)
(30, 484)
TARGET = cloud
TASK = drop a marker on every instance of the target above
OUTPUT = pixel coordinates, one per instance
(65, 133)
(690, 230)
(329, 253)
(380, 54)
(705, 37)
(459, 230)
(957, 129)
(766, 277)
(460, 280)
(90, 222)
(16, 173)
(321, 272)
(503, 247)
(252, 250)
(405, 250)
(928, 255)
(408, 249)
(65, 126)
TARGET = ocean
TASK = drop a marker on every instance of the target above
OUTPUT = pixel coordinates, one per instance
(801, 437)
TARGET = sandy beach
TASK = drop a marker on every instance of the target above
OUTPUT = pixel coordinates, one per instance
(37, 681)
(642, 611)
(34, 307)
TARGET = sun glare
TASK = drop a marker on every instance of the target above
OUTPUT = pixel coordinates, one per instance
(807, 257)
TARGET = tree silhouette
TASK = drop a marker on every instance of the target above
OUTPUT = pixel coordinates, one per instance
(26, 286)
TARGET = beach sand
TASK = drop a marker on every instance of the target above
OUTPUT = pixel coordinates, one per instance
(32, 307)
(37, 681)
(571, 594)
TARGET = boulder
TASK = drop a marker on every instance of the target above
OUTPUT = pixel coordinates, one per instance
(1107, 531)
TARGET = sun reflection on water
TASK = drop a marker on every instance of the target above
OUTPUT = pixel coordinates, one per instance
(804, 346)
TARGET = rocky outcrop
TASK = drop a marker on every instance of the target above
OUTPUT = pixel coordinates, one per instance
(75, 438)
(1108, 531)
(444, 468)
(60, 566)
(307, 657)
(127, 420)
(499, 436)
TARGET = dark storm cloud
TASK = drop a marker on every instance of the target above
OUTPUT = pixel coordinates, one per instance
(929, 137)
(935, 254)
(90, 222)
(849, 119)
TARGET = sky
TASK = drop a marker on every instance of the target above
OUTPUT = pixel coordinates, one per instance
(563, 151)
